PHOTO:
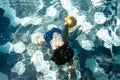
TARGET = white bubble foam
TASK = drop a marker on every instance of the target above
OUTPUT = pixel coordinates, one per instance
(51, 11)
(118, 22)
(99, 17)
(96, 2)
(19, 47)
(11, 14)
(67, 5)
(19, 68)
(37, 38)
(104, 35)
(51, 26)
(86, 27)
(87, 44)
(43, 66)
(30, 20)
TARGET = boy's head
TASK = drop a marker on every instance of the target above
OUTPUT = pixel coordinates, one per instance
(62, 55)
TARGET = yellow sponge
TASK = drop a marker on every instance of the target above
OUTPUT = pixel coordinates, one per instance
(70, 21)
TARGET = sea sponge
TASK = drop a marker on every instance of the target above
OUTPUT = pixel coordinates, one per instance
(70, 21)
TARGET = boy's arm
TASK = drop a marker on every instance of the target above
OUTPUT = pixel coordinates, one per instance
(70, 21)
(65, 34)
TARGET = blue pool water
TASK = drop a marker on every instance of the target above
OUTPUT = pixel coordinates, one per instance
(95, 39)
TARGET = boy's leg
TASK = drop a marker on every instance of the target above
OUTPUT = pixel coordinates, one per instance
(71, 68)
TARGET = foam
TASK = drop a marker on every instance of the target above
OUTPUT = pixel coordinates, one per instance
(78, 73)
(19, 47)
(42, 66)
(99, 17)
(30, 20)
(96, 2)
(116, 39)
(86, 27)
(41, 5)
(51, 11)
(109, 41)
(87, 44)
(37, 38)
(19, 68)
(37, 57)
(104, 35)
(51, 26)
(11, 14)
(4, 3)
(118, 22)
(67, 5)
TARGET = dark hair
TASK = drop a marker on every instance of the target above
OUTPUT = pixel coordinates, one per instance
(62, 55)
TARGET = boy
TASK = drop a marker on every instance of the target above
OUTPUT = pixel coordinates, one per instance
(62, 53)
